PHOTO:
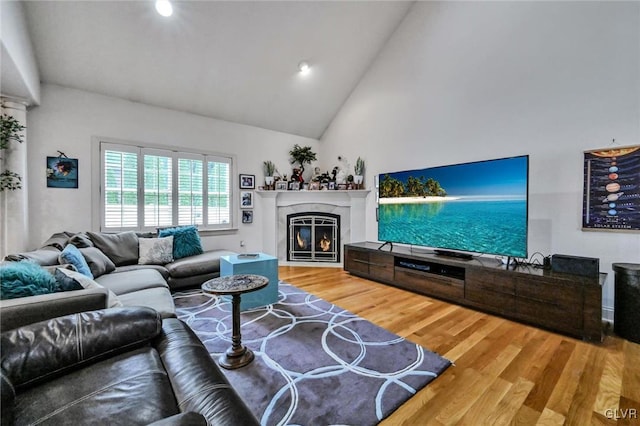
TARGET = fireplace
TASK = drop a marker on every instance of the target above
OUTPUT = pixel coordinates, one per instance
(313, 237)
(276, 206)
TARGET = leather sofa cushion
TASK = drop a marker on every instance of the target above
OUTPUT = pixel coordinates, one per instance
(189, 418)
(27, 310)
(190, 282)
(200, 264)
(132, 281)
(45, 256)
(58, 240)
(163, 271)
(157, 298)
(128, 389)
(49, 349)
(98, 262)
(80, 240)
(197, 381)
(121, 248)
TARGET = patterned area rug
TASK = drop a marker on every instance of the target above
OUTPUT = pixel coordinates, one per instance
(316, 364)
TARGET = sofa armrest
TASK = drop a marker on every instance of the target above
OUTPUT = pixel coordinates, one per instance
(197, 381)
(48, 349)
(27, 310)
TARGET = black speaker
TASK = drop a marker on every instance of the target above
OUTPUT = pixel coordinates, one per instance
(585, 266)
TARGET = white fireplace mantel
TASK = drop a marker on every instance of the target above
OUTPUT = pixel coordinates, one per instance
(271, 201)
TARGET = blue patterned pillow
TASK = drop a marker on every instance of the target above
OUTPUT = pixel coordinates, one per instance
(186, 241)
(72, 255)
(22, 279)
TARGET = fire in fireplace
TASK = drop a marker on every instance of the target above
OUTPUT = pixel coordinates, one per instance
(313, 237)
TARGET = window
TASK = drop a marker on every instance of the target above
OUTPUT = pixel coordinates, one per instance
(146, 188)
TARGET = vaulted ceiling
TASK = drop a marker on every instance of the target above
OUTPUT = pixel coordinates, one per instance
(235, 60)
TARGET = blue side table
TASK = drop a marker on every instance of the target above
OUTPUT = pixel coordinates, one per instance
(262, 264)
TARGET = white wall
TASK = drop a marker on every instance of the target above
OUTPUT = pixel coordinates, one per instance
(67, 119)
(20, 76)
(465, 81)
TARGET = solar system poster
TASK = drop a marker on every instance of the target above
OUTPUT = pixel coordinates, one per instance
(612, 189)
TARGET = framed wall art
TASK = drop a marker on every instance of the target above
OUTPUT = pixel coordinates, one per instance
(247, 216)
(246, 199)
(247, 181)
(611, 199)
(62, 172)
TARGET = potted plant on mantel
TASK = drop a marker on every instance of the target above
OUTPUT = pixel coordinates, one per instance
(302, 155)
(269, 170)
(10, 131)
(359, 172)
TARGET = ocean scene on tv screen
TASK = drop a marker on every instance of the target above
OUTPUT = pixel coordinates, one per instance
(476, 207)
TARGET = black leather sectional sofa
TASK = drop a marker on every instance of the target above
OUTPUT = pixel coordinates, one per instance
(119, 366)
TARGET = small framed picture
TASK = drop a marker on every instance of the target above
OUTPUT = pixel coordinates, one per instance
(247, 181)
(342, 186)
(281, 185)
(247, 216)
(62, 172)
(246, 199)
(314, 186)
(294, 186)
(332, 186)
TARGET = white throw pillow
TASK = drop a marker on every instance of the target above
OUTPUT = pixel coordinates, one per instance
(86, 282)
(155, 251)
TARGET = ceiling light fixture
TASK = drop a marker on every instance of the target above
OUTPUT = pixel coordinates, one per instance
(164, 7)
(304, 67)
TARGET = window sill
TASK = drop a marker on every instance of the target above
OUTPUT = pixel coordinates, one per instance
(214, 232)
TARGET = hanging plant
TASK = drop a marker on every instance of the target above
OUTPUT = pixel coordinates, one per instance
(302, 155)
(10, 180)
(11, 130)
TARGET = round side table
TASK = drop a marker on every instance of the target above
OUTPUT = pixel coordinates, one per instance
(237, 355)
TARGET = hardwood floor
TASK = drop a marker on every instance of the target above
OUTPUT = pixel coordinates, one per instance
(504, 373)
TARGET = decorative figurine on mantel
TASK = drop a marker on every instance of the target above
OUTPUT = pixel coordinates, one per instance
(297, 176)
(316, 175)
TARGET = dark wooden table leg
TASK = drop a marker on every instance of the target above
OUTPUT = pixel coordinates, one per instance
(237, 355)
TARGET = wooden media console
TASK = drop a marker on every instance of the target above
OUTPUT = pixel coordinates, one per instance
(565, 303)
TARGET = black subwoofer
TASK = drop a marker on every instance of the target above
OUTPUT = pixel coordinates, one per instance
(585, 266)
(626, 314)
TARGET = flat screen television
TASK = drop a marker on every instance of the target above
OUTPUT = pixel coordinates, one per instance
(477, 207)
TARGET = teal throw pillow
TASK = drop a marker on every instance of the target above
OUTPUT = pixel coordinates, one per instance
(23, 279)
(186, 241)
(72, 255)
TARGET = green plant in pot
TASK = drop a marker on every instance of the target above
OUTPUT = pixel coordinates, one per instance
(11, 130)
(302, 155)
(269, 170)
(359, 172)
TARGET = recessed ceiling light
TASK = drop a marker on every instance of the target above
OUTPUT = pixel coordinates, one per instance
(164, 7)
(304, 67)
